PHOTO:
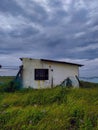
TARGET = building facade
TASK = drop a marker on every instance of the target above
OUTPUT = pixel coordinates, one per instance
(43, 73)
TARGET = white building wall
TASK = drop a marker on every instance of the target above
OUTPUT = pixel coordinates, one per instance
(57, 72)
(61, 71)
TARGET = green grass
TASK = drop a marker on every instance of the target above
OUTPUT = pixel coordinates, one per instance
(85, 84)
(6, 79)
(49, 109)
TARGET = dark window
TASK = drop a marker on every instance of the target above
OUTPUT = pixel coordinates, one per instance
(41, 74)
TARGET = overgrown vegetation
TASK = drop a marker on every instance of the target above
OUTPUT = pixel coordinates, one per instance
(6, 79)
(49, 109)
(9, 84)
(85, 84)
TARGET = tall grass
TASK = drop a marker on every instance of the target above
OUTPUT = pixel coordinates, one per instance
(49, 109)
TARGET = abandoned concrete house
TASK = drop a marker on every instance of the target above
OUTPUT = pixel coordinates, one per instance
(42, 73)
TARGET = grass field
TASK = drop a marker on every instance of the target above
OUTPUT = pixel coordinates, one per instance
(49, 109)
(6, 79)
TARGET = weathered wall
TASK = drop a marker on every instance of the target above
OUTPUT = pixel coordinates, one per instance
(57, 72)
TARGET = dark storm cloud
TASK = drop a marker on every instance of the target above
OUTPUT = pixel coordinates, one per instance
(10, 6)
(55, 29)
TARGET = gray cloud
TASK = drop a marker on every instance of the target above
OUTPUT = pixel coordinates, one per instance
(55, 29)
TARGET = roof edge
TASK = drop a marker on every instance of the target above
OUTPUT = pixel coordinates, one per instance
(62, 62)
(47, 60)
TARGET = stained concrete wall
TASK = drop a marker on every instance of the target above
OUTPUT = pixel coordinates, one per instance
(58, 72)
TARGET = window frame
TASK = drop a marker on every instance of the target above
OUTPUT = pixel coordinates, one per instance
(41, 74)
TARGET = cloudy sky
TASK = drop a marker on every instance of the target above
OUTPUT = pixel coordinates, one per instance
(53, 29)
